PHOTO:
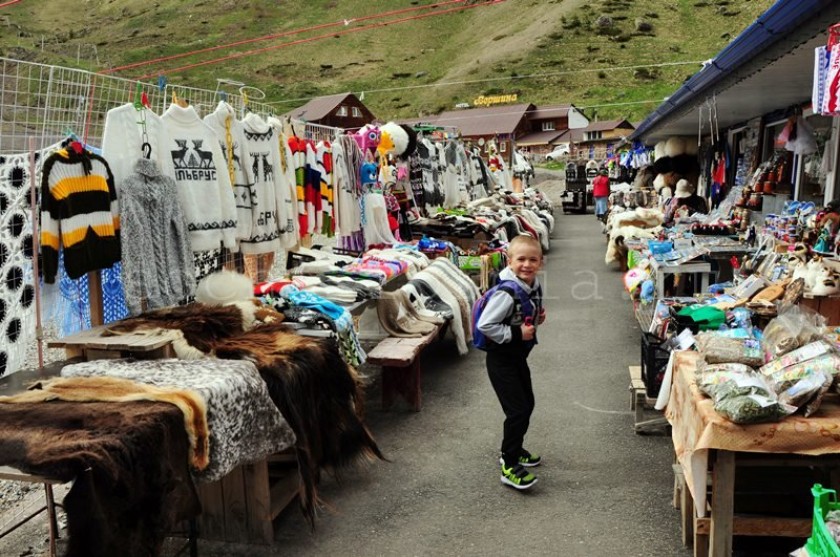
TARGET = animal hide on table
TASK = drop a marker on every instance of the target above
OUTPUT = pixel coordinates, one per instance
(111, 389)
(245, 425)
(316, 391)
(129, 462)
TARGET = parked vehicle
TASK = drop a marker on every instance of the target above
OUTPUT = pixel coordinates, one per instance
(559, 152)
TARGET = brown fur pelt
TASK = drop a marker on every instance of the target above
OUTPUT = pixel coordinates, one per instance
(114, 389)
(203, 326)
(128, 463)
(318, 394)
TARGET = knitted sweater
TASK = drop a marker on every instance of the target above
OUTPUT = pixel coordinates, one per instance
(272, 205)
(79, 211)
(157, 258)
(231, 136)
(191, 155)
(122, 139)
(324, 155)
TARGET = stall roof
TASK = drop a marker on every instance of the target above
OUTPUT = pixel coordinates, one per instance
(492, 120)
(769, 66)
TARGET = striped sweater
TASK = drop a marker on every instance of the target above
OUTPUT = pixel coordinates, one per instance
(79, 213)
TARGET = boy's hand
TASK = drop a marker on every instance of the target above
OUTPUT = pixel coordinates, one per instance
(541, 318)
(528, 332)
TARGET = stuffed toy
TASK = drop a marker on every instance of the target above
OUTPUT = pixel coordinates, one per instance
(367, 138)
(396, 140)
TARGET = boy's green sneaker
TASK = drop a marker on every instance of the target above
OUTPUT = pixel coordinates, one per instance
(528, 460)
(517, 477)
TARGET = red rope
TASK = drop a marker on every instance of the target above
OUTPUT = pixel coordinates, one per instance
(9, 3)
(319, 37)
(277, 35)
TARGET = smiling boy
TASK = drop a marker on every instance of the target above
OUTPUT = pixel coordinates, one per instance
(509, 322)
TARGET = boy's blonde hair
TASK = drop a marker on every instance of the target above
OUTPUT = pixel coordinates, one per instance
(523, 240)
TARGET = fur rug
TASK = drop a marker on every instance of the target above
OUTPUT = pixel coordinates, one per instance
(114, 389)
(319, 395)
(316, 391)
(244, 423)
(128, 463)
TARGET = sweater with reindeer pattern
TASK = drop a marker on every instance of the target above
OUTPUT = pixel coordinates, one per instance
(192, 157)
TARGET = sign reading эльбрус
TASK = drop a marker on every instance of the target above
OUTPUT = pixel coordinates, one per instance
(495, 99)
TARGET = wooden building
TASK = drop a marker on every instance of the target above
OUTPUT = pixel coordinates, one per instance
(343, 110)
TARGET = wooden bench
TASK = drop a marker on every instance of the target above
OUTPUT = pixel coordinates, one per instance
(400, 361)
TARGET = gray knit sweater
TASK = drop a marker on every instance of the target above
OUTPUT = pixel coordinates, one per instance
(157, 260)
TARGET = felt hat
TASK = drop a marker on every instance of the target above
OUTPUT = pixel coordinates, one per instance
(684, 189)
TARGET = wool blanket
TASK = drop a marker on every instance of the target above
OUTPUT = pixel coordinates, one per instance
(128, 463)
(111, 389)
(244, 424)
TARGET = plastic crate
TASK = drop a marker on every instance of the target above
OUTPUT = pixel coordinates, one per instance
(821, 543)
(654, 361)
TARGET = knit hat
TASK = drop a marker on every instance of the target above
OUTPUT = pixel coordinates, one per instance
(684, 189)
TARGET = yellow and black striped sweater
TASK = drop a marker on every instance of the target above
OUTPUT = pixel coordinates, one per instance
(79, 212)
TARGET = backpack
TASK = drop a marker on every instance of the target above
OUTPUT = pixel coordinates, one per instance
(519, 295)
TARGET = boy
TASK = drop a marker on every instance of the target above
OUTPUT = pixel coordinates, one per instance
(509, 322)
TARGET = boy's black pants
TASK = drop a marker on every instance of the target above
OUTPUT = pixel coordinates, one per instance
(511, 379)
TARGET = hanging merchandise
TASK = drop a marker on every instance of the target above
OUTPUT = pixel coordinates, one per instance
(79, 213)
(271, 204)
(324, 158)
(17, 292)
(158, 267)
(347, 157)
(127, 129)
(193, 158)
(375, 225)
(291, 236)
(234, 147)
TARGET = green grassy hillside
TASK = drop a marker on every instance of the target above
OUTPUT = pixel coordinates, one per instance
(546, 51)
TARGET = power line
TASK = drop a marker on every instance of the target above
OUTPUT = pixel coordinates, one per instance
(9, 3)
(343, 22)
(330, 35)
(511, 77)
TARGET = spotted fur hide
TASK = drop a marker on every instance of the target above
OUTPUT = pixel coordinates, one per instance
(128, 463)
(316, 391)
(113, 389)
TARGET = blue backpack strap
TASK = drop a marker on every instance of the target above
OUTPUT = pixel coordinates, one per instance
(514, 289)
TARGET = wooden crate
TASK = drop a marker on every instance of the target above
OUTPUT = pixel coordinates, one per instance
(242, 506)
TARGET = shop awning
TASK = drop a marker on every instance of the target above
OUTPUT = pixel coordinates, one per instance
(767, 67)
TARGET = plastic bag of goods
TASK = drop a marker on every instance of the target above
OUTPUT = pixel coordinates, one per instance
(743, 397)
(792, 328)
(720, 349)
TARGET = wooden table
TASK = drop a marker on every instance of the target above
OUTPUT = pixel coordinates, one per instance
(707, 445)
(704, 268)
(92, 345)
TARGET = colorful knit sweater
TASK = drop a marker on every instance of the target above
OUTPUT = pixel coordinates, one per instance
(79, 212)
(325, 168)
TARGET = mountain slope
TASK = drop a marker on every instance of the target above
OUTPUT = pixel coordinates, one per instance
(569, 49)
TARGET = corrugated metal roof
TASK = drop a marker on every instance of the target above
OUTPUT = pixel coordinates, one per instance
(780, 21)
(318, 108)
(485, 121)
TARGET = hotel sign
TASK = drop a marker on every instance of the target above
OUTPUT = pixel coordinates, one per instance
(495, 99)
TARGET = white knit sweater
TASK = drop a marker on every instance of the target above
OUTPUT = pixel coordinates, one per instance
(191, 155)
(122, 140)
(272, 204)
(223, 121)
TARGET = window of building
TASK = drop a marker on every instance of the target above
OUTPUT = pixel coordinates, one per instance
(548, 126)
(503, 147)
(342, 111)
(357, 112)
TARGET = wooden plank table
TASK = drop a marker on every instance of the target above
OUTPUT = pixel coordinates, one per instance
(711, 451)
(97, 344)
